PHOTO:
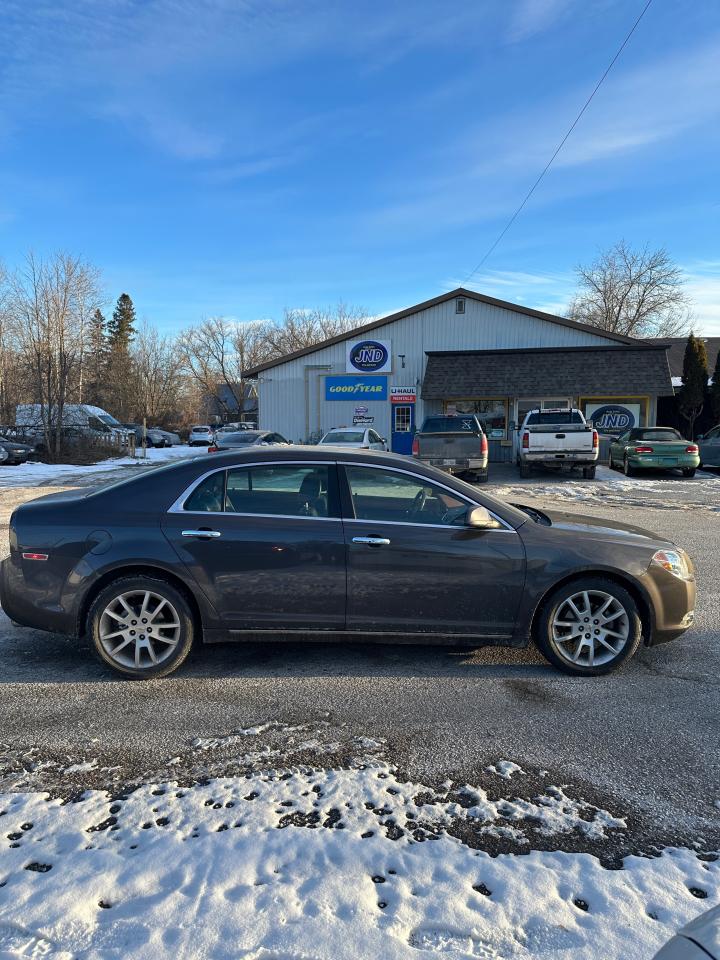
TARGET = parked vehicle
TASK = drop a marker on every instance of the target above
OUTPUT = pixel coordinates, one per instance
(557, 438)
(342, 544)
(153, 436)
(709, 448)
(246, 438)
(16, 452)
(455, 444)
(201, 436)
(78, 416)
(171, 439)
(360, 438)
(654, 448)
(697, 940)
(3, 455)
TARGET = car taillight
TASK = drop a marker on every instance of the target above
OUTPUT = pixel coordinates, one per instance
(596, 440)
(212, 449)
(483, 445)
(693, 448)
(415, 447)
(643, 449)
(526, 441)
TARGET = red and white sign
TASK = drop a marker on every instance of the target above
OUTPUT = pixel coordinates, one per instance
(403, 394)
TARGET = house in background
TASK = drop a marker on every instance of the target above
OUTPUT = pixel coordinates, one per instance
(668, 406)
(232, 403)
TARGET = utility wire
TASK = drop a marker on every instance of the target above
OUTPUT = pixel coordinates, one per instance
(560, 145)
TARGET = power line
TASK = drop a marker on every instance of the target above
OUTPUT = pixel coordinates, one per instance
(560, 145)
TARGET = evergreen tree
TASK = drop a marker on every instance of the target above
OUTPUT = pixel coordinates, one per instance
(695, 378)
(119, 378)
(121, 328)
(97, 359)
(715, 390)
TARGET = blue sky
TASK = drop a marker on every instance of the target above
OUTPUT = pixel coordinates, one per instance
(237, 157)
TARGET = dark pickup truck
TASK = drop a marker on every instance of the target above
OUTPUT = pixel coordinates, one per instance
(455, 443)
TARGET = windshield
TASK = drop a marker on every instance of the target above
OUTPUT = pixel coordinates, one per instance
(110, 420)
(561, 416)
(343, 436)
(450, 425)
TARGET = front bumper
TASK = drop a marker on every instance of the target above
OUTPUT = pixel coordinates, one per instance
(673, 603)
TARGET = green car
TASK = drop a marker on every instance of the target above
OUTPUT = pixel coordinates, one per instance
(654, 448)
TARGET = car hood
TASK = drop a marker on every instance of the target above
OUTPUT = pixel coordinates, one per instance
(601, 529)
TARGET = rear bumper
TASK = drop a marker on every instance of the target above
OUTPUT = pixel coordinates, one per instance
(686, 462)
(570, 456)
(459, 465)
(32, 602)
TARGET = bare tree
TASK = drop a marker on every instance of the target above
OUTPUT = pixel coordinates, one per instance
(304, 328)
(216, 352)
(156, 374)
(48, 304)
(633, 293)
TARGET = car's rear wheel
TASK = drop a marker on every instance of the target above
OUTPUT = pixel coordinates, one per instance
(142, 627)
(589, 627)
(589, 473)
(627, 469)
(689, 472)
(525, 469)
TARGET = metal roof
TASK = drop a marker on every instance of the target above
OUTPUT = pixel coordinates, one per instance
(425, 305)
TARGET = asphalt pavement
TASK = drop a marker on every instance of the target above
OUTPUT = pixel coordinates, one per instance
(642, 743)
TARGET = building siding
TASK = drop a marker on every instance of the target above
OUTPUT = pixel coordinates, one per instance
(292, 393)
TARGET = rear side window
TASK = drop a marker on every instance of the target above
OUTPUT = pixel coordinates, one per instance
(209, 495)
(289, 490)
(657, 435)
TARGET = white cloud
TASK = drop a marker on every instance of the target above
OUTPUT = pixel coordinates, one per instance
(703, 287)
(531, 17)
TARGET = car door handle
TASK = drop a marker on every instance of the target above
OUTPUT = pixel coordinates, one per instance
(202, 534)
(372, 541)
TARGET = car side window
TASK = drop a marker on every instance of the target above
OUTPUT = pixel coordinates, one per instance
(209, 495)
(379, 495)
(295, 490)
(713, 434)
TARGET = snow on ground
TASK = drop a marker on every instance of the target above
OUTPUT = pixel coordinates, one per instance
(34, 474)
(309, 864)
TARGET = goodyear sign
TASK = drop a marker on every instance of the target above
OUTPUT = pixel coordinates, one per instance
(356, 388)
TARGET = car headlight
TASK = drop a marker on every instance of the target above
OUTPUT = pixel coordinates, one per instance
(675, 562)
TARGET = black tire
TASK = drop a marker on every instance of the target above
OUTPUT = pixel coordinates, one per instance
(160, 588)
(552, 651)
(525, 469)
(689, 472)
(481, 476)
(627, 469)
(588, 473)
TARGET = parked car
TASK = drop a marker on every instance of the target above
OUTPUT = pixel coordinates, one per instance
(697, 940)
(201, 436)
(654, 448)
(16, 452)
(246, 438)
(153, 436)
(709, 448)
(172, 439)
(344, 544)
(455, 443)
(360, 438)
(557, 438)
(75, 416)
(3, 455)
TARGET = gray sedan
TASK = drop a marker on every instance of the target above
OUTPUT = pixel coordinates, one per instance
(709, 444)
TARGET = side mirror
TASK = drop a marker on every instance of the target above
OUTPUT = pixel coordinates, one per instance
(479, 517)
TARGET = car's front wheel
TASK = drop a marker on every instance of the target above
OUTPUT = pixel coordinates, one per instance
(141, 626)
(589, 627)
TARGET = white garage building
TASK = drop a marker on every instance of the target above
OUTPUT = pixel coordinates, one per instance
(461, 352)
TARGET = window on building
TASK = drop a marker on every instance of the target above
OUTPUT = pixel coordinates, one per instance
(460, 305)
(492, 415)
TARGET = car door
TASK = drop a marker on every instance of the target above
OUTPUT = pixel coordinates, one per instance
(265, 544)
(710, 448)
(415, 567)
(617, 447)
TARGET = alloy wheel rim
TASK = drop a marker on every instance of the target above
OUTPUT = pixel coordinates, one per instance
(139, 629)
(590, 628)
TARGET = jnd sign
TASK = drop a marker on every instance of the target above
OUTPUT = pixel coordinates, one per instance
(368, 356)
(356, 388)
(613, 417)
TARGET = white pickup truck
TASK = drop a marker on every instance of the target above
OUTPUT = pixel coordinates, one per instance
(559, 438)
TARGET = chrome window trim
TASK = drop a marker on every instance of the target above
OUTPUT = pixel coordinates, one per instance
(177, 506)
(418, 476)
